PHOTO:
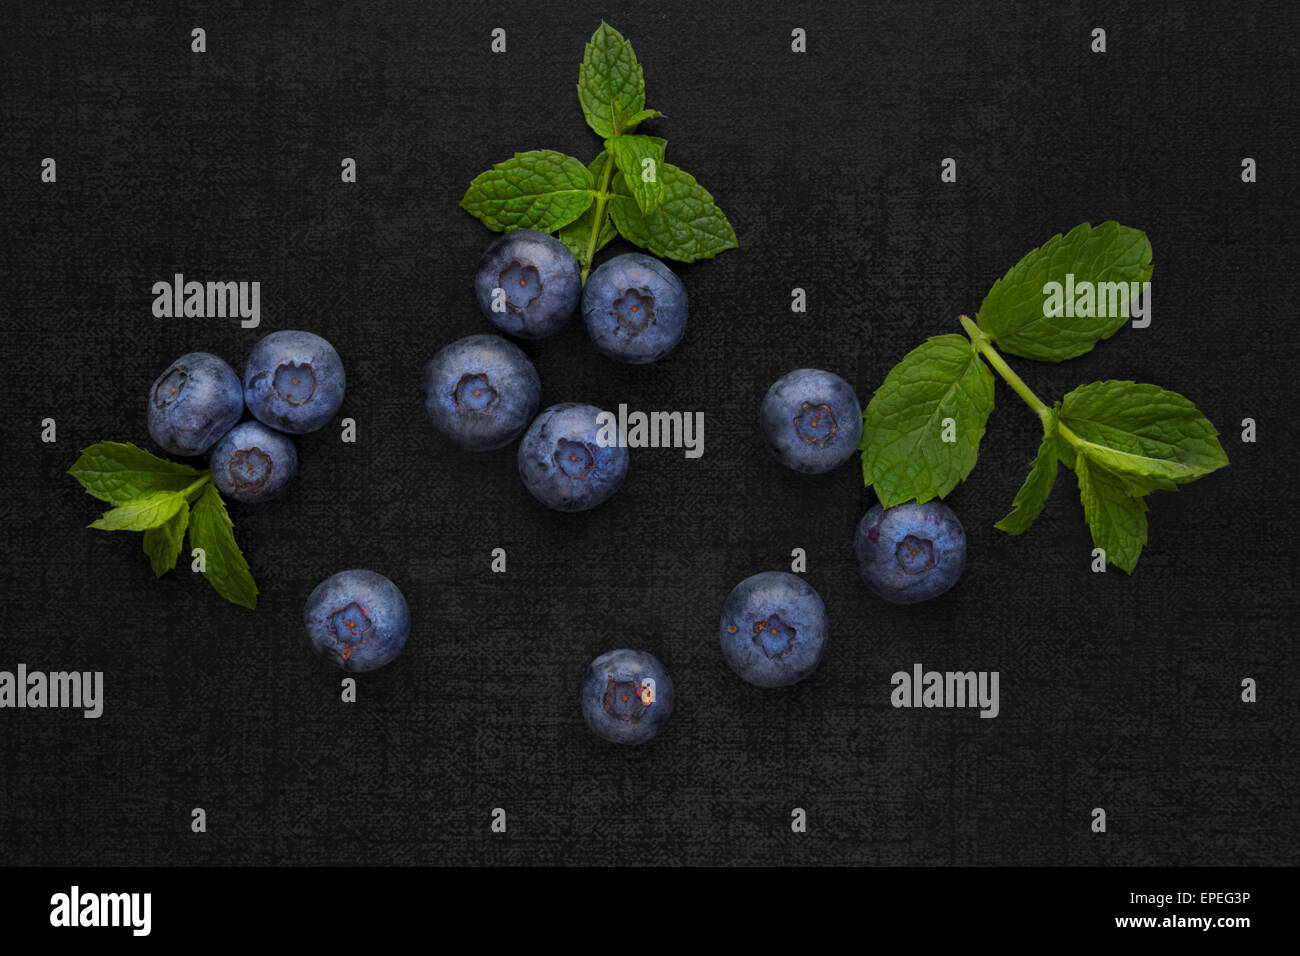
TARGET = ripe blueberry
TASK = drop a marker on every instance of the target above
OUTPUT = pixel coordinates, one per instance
(635, 308)
(773, 629)
(293, 381)
(357, 620)
(253, 463)
(910, 552)
(539, 279)
(627, 696)
(812, 420)
(563, 461)
(192, 404)
(481, 392)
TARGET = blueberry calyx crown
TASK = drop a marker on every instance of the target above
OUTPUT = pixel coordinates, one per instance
(521, 284)
(622, 697)
(250, 468)
(351, 627)
(635, 309)
(774, 637)
(915, 555)
(574, 458)
(815, 424)
(170, 388)
(295, 383)
(474, 393)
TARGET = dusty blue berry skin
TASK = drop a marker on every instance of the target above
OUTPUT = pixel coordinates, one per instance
(193, 403)
(541, 280)
(357, 620)
(773, 629)
(910, 552)
(481, 392)
(812, 420)
(253, 463)
(634, 308)
(294, 381)
(563, 463)
(627, 696)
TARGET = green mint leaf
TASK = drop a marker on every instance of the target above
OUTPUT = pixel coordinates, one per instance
(626, 123)
(1142, 432)
(1012, 312)
(577, 234)
(904, 455)
(117, 472)
(540, 189)
(686, 227)
(1118, 520)
(141, 514)
(609, 77)
(1031, 497)
(630, 155)
(225, 567)
(163, 543)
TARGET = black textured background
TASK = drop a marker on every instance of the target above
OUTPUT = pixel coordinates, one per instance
(1120, 692)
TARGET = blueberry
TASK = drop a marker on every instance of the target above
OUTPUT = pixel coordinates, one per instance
(293, 381)
(539, 279)
(563, 461)
(773, 629)
(910, 552)
(481, 392)
(627, 696)
(635, 309)
(812, 420)
(192, 404)
(253, 463)
(357, 620)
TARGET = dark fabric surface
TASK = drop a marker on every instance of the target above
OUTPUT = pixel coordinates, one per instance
(1117, 692)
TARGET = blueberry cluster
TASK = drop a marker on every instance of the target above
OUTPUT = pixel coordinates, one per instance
(482, 392)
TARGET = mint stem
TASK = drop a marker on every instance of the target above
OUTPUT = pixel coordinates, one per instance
(598, 221)
(198, 483)
(985, 346)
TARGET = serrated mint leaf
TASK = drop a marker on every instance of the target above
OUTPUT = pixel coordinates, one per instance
(577, 234)
(626, 123)
(1117, 520)
(1013, 311)
(609, 75)
(118, 472)
(1031, 497)
(1142, 432)
(163, 543)
(904, 455)
(540, 189)
(143, 513)
(640, 157)
(687, 226)
(225, 567)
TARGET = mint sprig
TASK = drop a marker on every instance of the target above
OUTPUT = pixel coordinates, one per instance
(164, 499)
(1122, 439)
(629, 189)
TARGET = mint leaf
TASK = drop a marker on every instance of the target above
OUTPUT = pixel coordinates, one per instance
(540, 189)
(1142, 432)
(1118, 520)
(226, 569)
(903, 452)
(142, 513)
(686, 227)
(609, 77)
(1012, 312)
(630, 154)
(1031, 497)
(117, 472)
(626, 123)
(577, 234)
(163, 542)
